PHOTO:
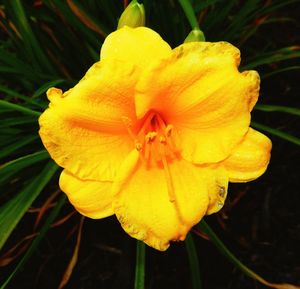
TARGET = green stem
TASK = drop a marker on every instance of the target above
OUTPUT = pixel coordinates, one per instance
(194, 262)
(189, 13)
(9, 105)
(139, 282)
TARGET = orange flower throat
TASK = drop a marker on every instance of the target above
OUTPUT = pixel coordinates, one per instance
(155, 142)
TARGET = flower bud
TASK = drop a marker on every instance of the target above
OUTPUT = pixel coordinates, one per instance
(195, 35)
(133, 15)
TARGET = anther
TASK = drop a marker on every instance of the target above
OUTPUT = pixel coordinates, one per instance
(150, 136)
(162, 139)
(138, 146)
(168, 130)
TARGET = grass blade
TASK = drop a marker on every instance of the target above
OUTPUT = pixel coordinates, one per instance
(10, 168)
(13, 106)
(139, 282)
(277, 132)
(194, 262)
(37, 240)
(204, 227)
(31, 43)
(285, 53)
(14, 209)
(9, 149)
(278, 108)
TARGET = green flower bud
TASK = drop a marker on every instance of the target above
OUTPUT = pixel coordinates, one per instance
(133, 15)
(195, 35)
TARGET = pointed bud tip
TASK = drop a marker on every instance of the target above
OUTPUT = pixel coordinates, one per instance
(195, 35)
(133, 16)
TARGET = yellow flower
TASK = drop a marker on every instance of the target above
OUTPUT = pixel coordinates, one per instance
(154, 135)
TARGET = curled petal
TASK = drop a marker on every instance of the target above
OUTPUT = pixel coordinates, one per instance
(161, 204)
(250, 158)
(90, 198)
(139, 46)
(83, 128)
(200, 91)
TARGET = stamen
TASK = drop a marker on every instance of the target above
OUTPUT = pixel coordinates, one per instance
(149, 139)
(138, 146)
(168, 130)
(170, 186)
(150, 136)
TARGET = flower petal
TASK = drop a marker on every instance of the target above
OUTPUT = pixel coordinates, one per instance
(139, 46)
(200, 91)
(83, 126)
(90, 198)
(155, 211)
(250, 158)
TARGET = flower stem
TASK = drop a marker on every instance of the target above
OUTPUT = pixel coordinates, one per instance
(194, 262)
(189, 12)
(139, 282)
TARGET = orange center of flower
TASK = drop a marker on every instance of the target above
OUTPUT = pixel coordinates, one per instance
(154, 141)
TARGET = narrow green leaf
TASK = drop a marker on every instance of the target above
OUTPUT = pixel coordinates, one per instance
(204, 227)
(45, 87)
(200, 5)
(277, 71)
(278, 108)
(10, 168)
(285, 53)
(9, 149)
(7, 122)
(54, 213)
(17, 95)
(277, 132)
(13, 106)
(139, 282)
(193, 261)
(14, 209)
(31, 44)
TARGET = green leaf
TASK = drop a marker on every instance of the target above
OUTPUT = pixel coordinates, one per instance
(139, 281)
(12, 212)
(7, 122)
(277, 71)
(47, 85)
(277, 132)
(31, 43)
(13, 106)
(9, 149)
(193, 261)
(278, 108)
(10, 168)
(54, 213)
(285, 53)
(17, 95)
(204, 227)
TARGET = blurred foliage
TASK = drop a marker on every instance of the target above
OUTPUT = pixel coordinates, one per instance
(47, 43)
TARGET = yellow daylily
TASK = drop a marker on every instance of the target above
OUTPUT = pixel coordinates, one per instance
(154, 135)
